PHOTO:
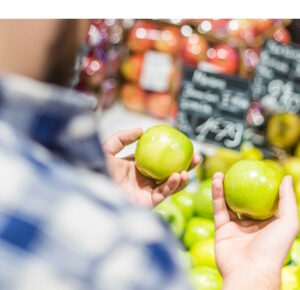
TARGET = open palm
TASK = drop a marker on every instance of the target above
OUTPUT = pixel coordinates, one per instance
(250, 244)
(142, 190)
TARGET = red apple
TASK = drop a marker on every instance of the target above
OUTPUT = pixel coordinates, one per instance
(194, 49)
(159, 105)
(169, 40)
(140, 37)
(282, 35)
(92, 71)
(225, 57)
(133, 97)
(132, 66)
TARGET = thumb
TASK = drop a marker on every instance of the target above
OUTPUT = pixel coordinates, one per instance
(287, 201)
(119, 140)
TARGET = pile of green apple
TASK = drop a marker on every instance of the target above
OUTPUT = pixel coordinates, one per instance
(189, 215)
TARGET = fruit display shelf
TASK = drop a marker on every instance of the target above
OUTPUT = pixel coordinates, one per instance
(119, 118)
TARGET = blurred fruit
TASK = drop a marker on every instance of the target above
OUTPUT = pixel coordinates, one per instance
(198, 228)
(276, 165)
(194, 49)
(221, 161)
(140, 37)
(203, 253)
(252, 189)
(225, 57)
(185, 259)
(205, 278)
(299, 220)
(185, 200)
(290, 278)
(163, 150)
(159, 105)
(295, 252)
(133, 97)
(132, 66)
(297, 150)
(92, 71)
(282, 35)
(261, 24)
(172, 215)
(169, 40)
(213, 164)
(251, 152)
(200, 172)
(203, 199)
(283, 130)
(292, 167)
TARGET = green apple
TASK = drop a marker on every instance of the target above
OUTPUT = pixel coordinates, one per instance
(252, 189)
(290, 278)
(203, 253)
(283, 130)
(276, 165)
(161, 151)
(251, 152)
(198, 228)
(172, 215)
(292, 167)
(297, 150)
(299, 219)
(185, 258)
(295, 252)
(205, 278)
(203, 199)
(221, 161)
(200, 173)
(185, 200)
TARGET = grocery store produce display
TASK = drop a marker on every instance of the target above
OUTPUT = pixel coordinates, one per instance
(190, 217)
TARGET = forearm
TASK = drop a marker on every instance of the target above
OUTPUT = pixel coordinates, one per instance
(251, 280)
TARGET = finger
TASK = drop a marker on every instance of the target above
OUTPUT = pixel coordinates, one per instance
(184, 180)
(169, 186)
(121, 139)
(195, 161)
(287, 202)
(221, 215)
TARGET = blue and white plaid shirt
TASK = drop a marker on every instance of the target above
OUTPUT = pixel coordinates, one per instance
(63, 224)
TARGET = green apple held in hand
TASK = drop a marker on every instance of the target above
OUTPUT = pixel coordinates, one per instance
(205, 278)
(203, 253)
(198, 229)
(185, 201)
(161, 151)
(172, 215)
(290, 278)
(295, 252)
(252, 189)
(203, 199)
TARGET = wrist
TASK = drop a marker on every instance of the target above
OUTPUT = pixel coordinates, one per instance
(248, 278)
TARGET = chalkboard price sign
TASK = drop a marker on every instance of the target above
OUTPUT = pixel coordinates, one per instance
(277, 79)
(212, 107)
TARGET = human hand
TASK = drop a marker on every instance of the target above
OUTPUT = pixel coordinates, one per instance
(249, 253)
(143, 190)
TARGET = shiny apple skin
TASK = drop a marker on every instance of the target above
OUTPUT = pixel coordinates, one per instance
(161, 151)
(252, 189)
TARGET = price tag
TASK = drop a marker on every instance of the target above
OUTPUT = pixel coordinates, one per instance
(277, 79)
(212, 107)
(156, 71)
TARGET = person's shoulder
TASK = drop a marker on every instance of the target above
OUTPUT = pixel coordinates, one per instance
(78, 223)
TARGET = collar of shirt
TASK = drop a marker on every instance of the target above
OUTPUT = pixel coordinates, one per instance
(60, 119)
